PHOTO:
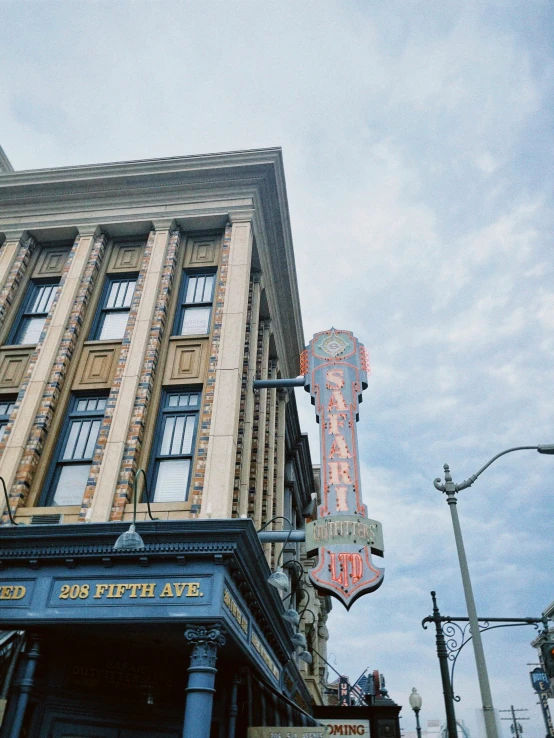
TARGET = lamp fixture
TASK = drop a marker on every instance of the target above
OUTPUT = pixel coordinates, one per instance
(130, 540)
(306, 656)
(299, 641)
(279, 579)
(415, 700)
(291, 616)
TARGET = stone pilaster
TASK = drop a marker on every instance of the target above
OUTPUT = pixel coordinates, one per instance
(135, 434)
(100, 491)
(246, 450)
(60, 367)
(14, 260)
(217, 495)
(282, 397)
(209, 388)
(41, 368)
(262, 430)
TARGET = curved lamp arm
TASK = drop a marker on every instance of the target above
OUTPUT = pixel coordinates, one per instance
(135, 485)
(450, 486)
(279, 517)
(8, 502)
(294, 591)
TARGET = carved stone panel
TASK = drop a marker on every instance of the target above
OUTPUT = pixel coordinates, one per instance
(126, 257)
(186, 361)
(51, 262)
(13, 363)
(97, 366)
(202, 252)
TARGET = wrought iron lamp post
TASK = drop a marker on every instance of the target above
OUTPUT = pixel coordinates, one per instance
(415, 703)
(450, 488)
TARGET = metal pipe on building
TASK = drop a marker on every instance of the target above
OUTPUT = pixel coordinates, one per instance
(26, 687)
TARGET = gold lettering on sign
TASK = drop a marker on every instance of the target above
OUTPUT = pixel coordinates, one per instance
(12, 592)
(266, 658)
(116, 591)
(235, 610)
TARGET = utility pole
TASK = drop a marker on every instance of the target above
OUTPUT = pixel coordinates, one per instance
(516, 727)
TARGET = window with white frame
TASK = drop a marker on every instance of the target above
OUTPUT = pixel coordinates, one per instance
(195, 304)
(115, 305)
(33, 313)
(174, 446)
(71, 469)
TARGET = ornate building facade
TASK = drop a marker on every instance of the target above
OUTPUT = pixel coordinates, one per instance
(138, 302)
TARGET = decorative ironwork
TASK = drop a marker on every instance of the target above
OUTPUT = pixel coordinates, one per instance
(457, 636)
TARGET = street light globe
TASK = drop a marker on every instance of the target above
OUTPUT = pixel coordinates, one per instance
(415, 700)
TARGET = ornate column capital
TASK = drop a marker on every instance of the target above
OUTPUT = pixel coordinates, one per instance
(206, 640)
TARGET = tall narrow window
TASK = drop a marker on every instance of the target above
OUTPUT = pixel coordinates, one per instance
(34, 311)
(75, 451)
(174, 446)
(113, 311)
(6, 409)
(195, 304)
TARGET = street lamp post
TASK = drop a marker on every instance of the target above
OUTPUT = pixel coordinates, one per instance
(450, 488)
(415, 704)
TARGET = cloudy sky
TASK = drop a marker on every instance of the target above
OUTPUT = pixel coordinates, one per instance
(418, 146)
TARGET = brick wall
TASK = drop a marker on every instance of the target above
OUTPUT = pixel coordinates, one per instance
(209, 388)
(114, 392)
(135, 435)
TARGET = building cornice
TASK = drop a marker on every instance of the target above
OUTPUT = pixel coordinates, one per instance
(198, 192)
(5, 163)
(232, 543)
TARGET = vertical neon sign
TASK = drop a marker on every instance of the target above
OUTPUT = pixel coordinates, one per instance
(335, 365)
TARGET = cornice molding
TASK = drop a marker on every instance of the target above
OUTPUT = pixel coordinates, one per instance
(5, 164)
(230, 542)
(199, 192)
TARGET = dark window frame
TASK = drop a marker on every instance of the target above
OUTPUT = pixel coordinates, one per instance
(57, 462)
(102, 310)
(9, 401)
(165, 411)
(24, 313)
(182, 304)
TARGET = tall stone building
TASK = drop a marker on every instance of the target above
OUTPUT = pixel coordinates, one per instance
(138, 302)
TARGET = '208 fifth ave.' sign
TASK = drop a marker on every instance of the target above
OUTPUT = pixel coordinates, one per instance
(335, 366)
